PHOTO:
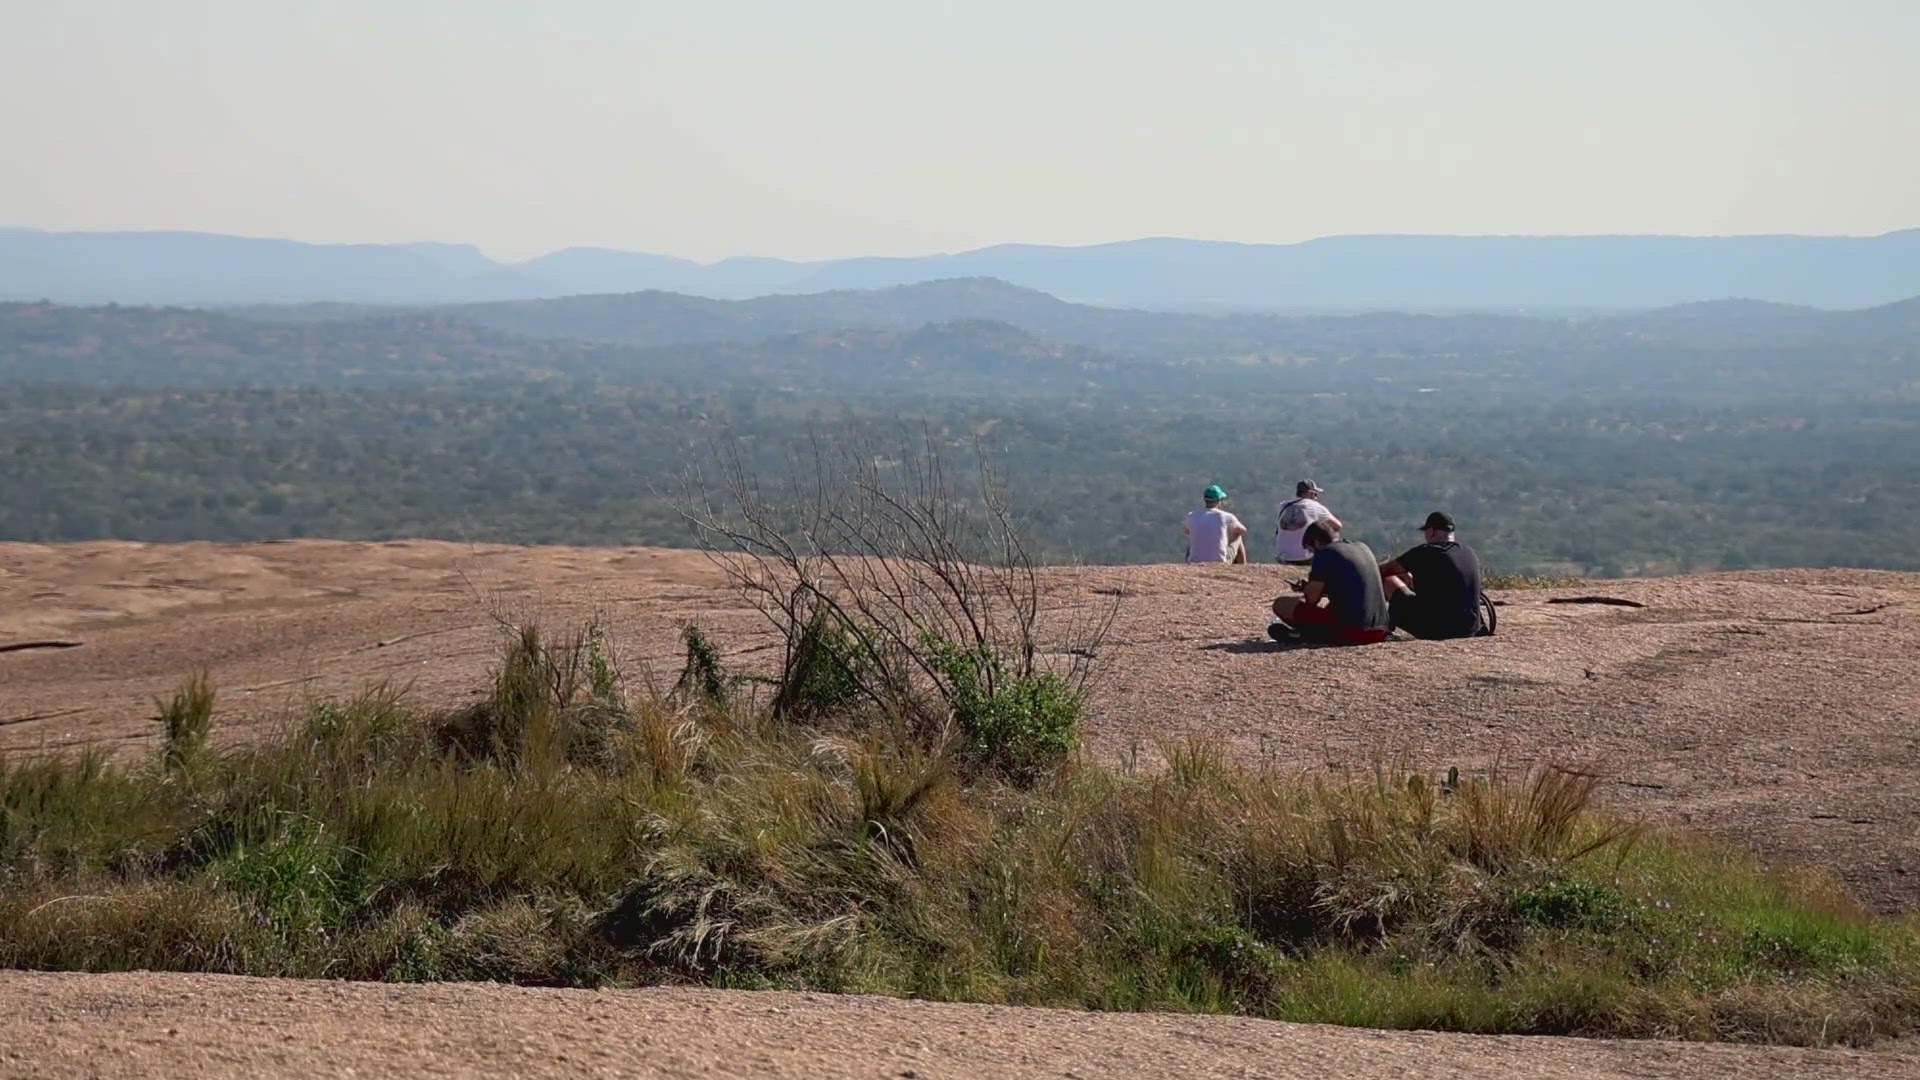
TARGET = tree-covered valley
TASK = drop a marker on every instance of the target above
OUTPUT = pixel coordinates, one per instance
(1723, 435)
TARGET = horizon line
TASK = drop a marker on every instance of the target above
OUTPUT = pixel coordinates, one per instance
(1001, 245)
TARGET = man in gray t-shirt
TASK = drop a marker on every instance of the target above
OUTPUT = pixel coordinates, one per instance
(1343, 601)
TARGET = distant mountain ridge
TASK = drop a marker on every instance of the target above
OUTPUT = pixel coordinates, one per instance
(1340, 273)
(965, 335)
(657, 318)
(130, 345)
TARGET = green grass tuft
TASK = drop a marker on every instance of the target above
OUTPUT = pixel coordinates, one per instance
(186, 719)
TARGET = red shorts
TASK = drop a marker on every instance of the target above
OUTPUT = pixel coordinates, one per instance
(1321, 624)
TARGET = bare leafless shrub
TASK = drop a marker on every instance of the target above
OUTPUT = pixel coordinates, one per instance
(899, 584)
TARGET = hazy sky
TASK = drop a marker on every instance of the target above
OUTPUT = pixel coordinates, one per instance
(839, 127)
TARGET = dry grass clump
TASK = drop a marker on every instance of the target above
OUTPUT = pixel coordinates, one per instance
(130, 926)
(573, 829)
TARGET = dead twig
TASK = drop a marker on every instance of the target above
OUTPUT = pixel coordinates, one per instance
(409, 637)
(22, 646)
(29, 717)
(1613, 601)
(63, 899)
(279, 682)
(1868, 610)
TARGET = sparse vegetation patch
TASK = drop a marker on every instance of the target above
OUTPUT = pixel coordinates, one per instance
(576, 828)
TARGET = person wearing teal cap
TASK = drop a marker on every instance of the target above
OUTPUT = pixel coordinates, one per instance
(1213, 534)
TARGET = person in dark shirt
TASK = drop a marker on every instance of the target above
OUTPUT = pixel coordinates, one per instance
(1434, 589)
(1343, 601)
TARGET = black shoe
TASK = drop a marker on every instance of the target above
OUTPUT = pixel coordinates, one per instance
(1280, 631)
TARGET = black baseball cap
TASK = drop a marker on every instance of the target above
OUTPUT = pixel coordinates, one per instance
(1438, 520)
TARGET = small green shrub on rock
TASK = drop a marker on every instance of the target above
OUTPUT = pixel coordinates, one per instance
(1017, 725)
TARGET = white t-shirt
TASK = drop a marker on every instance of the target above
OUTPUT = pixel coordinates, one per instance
(1295, 516)
(1207, 532)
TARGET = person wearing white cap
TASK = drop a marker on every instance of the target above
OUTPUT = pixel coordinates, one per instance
(1296, 514)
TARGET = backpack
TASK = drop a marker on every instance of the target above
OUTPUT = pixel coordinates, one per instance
(1293, 516)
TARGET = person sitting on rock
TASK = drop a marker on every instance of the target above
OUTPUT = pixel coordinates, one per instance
(1433, 591)
(1214, 534)
(1342, 601)
(1296, 514)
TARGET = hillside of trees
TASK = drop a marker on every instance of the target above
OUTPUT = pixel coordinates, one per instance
(1713, 436)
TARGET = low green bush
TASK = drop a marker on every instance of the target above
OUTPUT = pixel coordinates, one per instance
(1019, 725)
(826, 672)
